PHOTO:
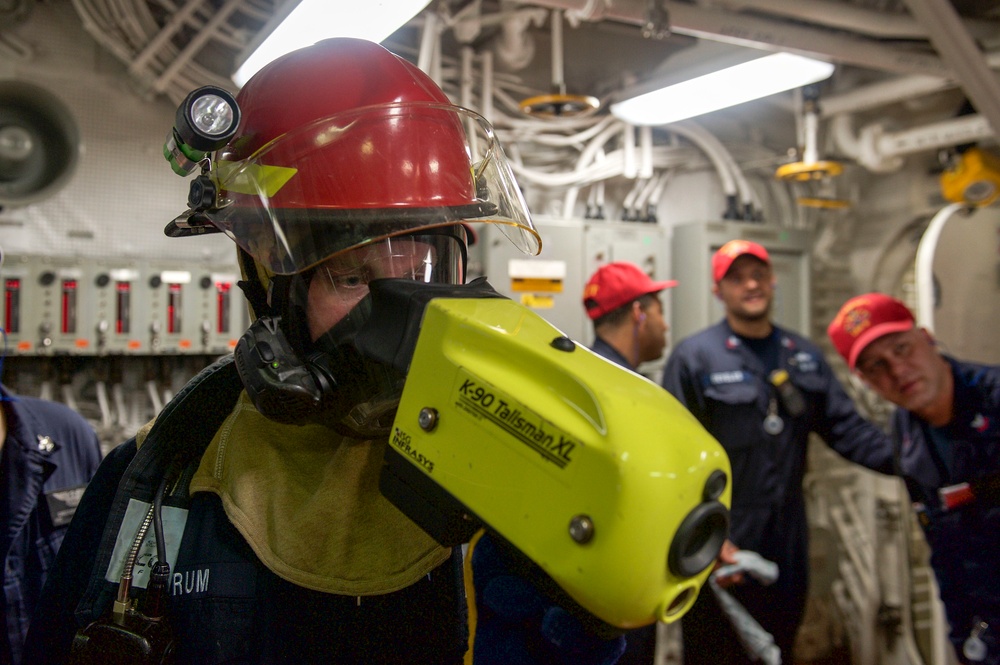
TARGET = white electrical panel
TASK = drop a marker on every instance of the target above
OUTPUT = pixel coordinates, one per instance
(67, 306)
(552, 283)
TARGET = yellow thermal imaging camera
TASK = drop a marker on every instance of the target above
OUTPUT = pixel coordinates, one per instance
(597, 475)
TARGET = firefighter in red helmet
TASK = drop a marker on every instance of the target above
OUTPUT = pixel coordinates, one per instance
(245, 524)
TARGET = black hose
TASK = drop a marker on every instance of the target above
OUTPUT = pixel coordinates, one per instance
(161, 548)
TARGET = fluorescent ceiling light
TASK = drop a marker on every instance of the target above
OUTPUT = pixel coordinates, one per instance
(313, 20)
(720, 89)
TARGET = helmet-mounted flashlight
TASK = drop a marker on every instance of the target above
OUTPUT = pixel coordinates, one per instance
(205, 121)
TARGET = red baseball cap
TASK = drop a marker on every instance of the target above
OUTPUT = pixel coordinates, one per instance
(865, 318)
(616, 284)
(732, 250)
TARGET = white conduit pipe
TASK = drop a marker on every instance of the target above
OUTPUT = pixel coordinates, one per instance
(599, 197)
(579, 138)
(661, 186)
(925, 265)
(558, 80)
(630, 204)
(154, 396)
(964, 129)
(810, 150)
(572, 193)
(881, 151)
(610, 168)
(69, 399)
(515, 46)
(747, 194)
(591, 199)
(652, 184)
(646, 152)
(587, 155)
(596, 144)
(691, 132)
(118, 395)
(428, 43)
(486, 101)
(891, 91)
(466, 78)
(104, 404)
(631, 168)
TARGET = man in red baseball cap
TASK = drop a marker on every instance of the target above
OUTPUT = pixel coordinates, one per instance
(762, 390)
(624, 304)
(947, 437)
(879, 339)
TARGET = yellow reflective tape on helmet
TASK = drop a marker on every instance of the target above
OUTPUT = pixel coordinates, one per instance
(243, 178)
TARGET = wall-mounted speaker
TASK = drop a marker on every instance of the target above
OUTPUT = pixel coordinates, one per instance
(39, 143)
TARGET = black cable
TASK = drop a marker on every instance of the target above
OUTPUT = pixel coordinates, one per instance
(161, 548)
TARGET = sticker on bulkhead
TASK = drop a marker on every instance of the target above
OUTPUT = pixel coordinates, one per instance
(174, 520)
(517, 424)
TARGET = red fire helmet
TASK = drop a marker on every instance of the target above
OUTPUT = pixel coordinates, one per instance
(343, 143)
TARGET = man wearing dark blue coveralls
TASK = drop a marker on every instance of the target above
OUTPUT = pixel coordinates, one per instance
(629, 329)
(49, 454)
(624, 304)
(947, 433)
(348, 165)
(761, 390)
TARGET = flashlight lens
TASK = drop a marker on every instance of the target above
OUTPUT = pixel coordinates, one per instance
(211, 115)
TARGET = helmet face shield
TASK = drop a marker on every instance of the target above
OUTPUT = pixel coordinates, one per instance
(331, 295)
(360, 176)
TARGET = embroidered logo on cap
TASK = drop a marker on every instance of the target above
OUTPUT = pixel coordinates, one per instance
(857, 321)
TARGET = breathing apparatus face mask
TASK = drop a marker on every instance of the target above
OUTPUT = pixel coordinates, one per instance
(305, 367)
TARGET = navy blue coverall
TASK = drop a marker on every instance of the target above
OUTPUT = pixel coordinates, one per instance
(225, 606)
(725, 385)
(49, 455)
(964, 541)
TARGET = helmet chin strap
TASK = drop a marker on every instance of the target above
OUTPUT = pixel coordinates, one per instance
(252, 285)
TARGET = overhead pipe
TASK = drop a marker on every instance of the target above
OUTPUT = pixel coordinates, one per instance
(726, 176)
(516, 47)
(486, 97)
(724, 160)
(924, 269)
(465, 77)
(630, 202)
(760, 33)
(631, 168)
(842, 16)
(428, 42)
(645, 152)
(891, 91)
(882, 151)
(948, 133)
(957, 48)
(588, 155)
